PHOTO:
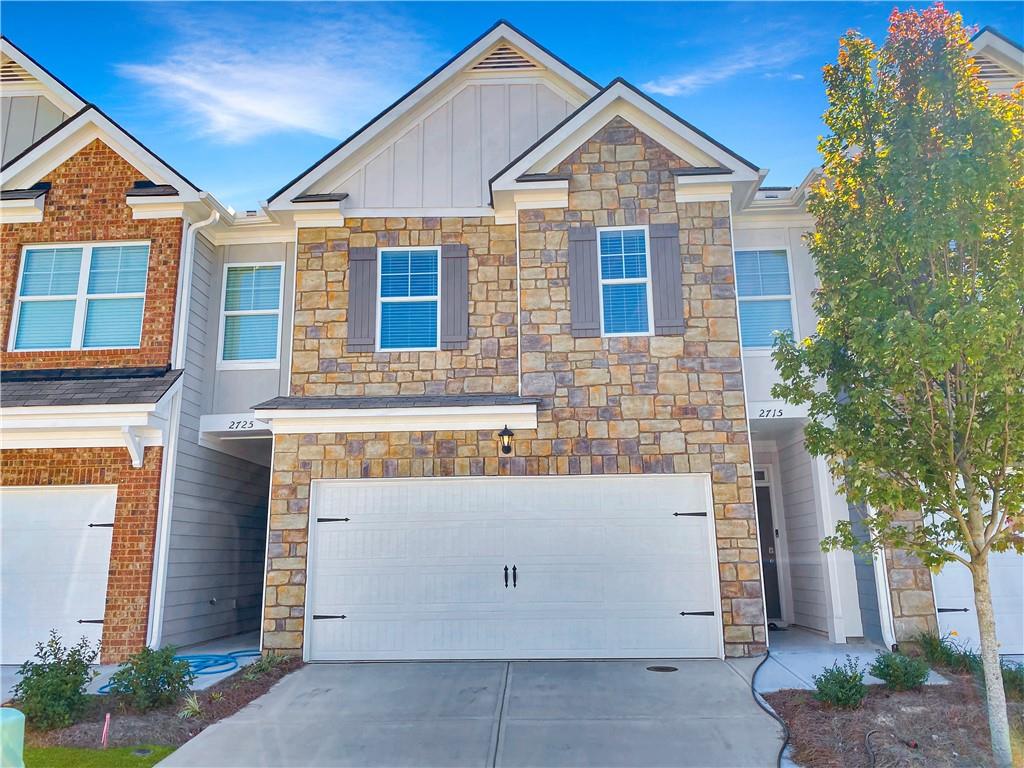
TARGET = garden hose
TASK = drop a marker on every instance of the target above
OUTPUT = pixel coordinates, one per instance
(207, 663)
(759, 700)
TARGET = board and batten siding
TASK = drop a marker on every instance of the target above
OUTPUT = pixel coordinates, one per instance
(447, 156)
(803, 539)
(219, 512)
(24, 120)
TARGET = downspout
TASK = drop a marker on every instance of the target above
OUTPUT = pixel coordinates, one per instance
(154, 629)
(519, 314)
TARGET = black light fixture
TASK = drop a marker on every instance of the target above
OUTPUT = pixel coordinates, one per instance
(505, 437)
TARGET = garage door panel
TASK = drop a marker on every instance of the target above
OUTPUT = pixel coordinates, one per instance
(53, 566)
(603, 568)
(954, 592)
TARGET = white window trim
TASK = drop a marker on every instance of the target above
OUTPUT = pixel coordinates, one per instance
(767, 351)
(249, 365)
(80, 297)
(399, 299)
(646, 281)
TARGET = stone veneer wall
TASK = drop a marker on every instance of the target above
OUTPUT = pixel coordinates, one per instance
(134, 535)
(618, 405)
(910, 588)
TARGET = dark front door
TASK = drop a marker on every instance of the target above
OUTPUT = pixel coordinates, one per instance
(766, 527)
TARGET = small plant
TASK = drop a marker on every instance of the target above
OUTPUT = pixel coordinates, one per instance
(216, 696)
(947, 654)
(51, 691)
(190, 707)
(899, 672)
(841, 685)
(1013, 680)
(263, 665)
(151, 679)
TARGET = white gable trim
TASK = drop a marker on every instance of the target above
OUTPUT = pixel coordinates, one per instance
(77, 133)
(66, 100)
(999, 48)
(433, 84)
(620, 99)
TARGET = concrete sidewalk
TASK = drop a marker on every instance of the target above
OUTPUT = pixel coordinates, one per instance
(541, 714)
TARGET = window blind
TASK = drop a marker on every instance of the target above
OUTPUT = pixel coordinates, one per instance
(406, 275)
(252, 299)
(624, 285)
(763, 286)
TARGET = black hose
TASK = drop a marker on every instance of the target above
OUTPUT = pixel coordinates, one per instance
(867, 747)
(759, 700)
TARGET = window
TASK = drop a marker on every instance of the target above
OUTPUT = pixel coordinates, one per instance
(409, 299)
(81, 297)
(625, 281)
(762, 283)
(250, 324)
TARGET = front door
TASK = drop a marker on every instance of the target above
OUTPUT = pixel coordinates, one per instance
(766, 527)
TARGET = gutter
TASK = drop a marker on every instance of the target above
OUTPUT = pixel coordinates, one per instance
(161, 544)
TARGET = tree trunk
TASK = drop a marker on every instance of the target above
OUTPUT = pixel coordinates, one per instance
(998, 722)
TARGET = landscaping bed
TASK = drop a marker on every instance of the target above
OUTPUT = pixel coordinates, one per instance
(161, 726)
(938, 725)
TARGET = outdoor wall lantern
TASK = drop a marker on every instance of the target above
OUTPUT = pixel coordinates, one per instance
(505, 437)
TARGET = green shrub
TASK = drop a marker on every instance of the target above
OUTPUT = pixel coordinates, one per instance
(263, 665)
(1013, 680)
(899, 672)
(51, 691)
(841, 685)
(945, 653)
(151, 679)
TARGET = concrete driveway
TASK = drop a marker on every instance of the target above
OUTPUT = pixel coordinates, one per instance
(539, 714)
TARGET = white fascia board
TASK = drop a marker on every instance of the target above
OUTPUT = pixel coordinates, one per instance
(78, 133)
(449, 418)
(22, 211)
(164, 207)
(703, 193)
(620, 100)
(319, 217)
(62, 97)
(422, 92)
(232, 425)
(527, 196)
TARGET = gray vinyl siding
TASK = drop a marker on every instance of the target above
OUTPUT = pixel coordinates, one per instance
(803, 540)
(24, 120)
(867, 592)
(218, 523)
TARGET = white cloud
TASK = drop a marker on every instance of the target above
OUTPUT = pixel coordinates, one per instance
(325, 74)
(754, 59)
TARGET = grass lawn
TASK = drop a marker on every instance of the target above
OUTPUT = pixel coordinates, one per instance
(115, 757)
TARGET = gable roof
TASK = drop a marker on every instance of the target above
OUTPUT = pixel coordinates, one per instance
(19, 67)
(479, 48)
(88, 124)
(1000, 60)
(565, 137)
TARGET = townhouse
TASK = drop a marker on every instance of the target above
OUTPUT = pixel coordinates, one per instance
(489, 380)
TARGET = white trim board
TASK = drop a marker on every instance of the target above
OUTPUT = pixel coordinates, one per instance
(304, 421)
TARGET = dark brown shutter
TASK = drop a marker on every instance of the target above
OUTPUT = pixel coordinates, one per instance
(584, 305)
(362, 299)
(454, 296)
(667, 280)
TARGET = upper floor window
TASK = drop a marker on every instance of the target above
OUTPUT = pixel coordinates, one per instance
(251, 320)
(765, 296)
(88, 296)
(625, 281)
(409, 290)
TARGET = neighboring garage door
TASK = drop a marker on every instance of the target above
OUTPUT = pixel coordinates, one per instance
(954, 601)
(598, 567)
(53, 565)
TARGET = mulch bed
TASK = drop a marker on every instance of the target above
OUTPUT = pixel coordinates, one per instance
(161, 726)
(940, 725)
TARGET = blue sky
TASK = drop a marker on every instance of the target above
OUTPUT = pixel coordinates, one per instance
(241, 97)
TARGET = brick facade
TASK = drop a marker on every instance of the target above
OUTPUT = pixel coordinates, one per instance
(86, 203)
(134, 535)
(609, 405)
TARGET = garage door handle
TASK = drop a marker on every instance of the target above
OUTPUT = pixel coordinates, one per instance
(952, 610)
(317, 616)
(513, 577)
(506, 577)
(90, 621)
(696, 613)
(101, 525)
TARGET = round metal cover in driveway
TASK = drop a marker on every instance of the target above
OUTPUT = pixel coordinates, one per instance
(657, 668)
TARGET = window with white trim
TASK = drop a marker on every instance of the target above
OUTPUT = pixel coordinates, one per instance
(625, 281)
(82, 296)
(765, 296)
(251, 318)
(409, 288)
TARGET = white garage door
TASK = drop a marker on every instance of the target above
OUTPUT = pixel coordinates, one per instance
(954, 601)
(53, 565)
(598, 567)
